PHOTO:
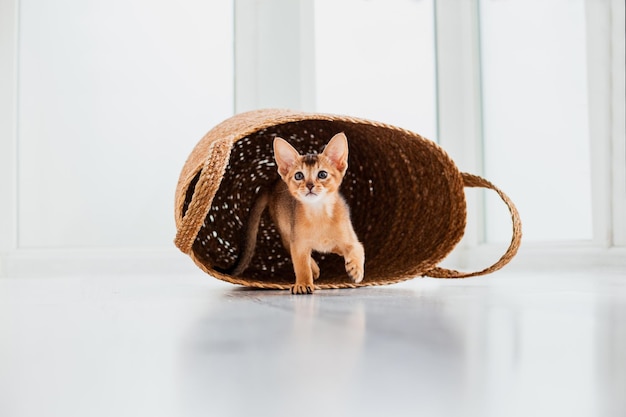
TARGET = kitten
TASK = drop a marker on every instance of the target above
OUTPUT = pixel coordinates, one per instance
(309, 212)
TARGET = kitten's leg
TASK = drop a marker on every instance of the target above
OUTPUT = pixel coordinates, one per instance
(315, 269)
(304, 274)
(354, 256)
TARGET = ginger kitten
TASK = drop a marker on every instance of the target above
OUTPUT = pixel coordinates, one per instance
(310, 213)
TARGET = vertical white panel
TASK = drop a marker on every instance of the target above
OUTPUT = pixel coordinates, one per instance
(376, 59)
(618, 116)
(274, 61)
(112, 97)
(458, 100)
(601, 119)
(8, 43)
(536, 131)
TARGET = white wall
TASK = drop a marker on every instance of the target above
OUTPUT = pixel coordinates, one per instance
(111, 98)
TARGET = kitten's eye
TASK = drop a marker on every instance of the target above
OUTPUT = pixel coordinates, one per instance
(299, 176)
(322, 175)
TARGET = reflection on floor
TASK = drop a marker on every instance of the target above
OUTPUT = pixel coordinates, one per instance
(511, 344)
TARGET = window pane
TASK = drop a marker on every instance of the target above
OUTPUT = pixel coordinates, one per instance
(536, 142)
(375, 59)
(112, 97)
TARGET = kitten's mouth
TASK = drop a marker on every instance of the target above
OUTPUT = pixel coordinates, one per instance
(310, 196)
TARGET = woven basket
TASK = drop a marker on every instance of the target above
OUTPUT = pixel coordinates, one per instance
(405, 194)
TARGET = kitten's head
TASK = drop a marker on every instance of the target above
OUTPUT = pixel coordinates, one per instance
(312, 177)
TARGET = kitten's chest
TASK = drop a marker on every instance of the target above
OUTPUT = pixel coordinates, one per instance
(320, 229)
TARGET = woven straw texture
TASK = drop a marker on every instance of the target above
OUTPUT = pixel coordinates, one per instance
(405, 194)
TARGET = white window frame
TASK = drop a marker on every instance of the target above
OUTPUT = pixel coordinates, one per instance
(459, 105)
(617, 126)
(17, 261)
(459, 121)
(460, 132)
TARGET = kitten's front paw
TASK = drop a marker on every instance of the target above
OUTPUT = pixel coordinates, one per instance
(355, 270)
(302, 289)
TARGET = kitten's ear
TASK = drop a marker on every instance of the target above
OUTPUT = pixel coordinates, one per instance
(337, 151)
(285, 155)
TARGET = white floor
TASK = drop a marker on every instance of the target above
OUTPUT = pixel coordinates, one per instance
(511, 344)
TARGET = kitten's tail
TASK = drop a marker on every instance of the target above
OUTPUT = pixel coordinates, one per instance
(249, 244)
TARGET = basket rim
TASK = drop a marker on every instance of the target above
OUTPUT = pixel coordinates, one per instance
(255, 120)
(213, 152)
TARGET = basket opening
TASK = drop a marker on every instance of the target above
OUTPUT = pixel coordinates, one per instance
(405, 195)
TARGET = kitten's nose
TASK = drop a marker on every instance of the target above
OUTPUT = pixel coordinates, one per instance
(310, 185)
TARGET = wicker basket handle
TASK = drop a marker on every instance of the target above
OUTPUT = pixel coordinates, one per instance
(476, 181)
(215, 160)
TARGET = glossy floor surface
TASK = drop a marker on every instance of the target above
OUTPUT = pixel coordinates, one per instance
(511, 344)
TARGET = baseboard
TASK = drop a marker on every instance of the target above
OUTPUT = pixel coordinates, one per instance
(545, 257)
(90, 262)
(166, 261)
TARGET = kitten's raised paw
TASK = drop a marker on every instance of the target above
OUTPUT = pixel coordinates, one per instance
(315, 270)
(302, 289)
(355, 270)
